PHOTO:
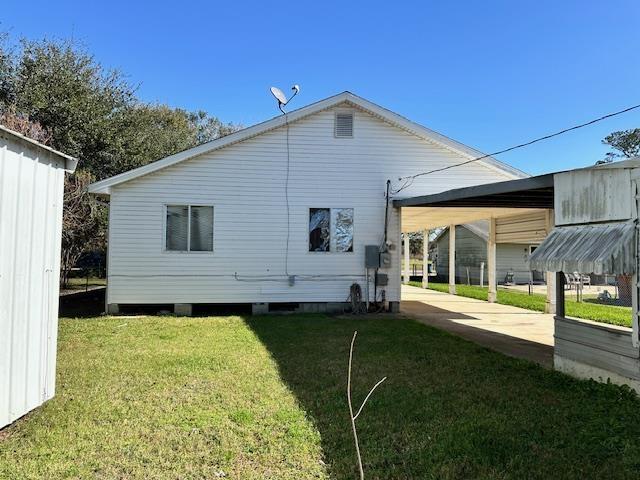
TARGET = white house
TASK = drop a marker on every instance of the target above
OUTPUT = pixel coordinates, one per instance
(512, 259)
(31, 197)
(279, 212)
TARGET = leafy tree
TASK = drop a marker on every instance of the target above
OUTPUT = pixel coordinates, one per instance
(6, 70)
(58, 89)
(63, 88)
(207, 128)
(626, 142)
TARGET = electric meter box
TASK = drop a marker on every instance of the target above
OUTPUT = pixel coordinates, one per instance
(371, 256)
(385, 260)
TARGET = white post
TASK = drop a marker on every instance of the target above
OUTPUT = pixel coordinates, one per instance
(452, 259)
(407, 259)
(425, 259)
(551, 301)
(482, 274)
(491, 261)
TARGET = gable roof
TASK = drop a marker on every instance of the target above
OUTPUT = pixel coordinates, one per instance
(480, 228)
(70, 162)
(104, 186)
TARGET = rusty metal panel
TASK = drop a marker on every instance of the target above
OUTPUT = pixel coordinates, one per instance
(592, 195)
(598, 248)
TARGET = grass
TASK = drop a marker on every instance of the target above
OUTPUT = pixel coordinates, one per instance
(80, 283)
(264, 398)
(611, 314)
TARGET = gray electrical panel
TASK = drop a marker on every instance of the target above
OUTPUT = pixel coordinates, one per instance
(371, 256)
(382, 279)
(385, 260)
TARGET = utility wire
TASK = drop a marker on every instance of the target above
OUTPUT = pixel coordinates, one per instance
(409, 179)
(286, 195)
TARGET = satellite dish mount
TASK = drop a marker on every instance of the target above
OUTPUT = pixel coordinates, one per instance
(281, 97)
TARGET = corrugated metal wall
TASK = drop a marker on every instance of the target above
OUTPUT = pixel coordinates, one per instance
(31, 188)
(593, 195)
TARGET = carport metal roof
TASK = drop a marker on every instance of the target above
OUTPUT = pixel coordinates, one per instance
(463, 205)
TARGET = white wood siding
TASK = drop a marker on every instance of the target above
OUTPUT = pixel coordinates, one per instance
(471, 250)
(246, 184)
(526, 228)
(31, 186)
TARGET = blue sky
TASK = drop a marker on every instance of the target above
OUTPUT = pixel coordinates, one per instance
(489, 74)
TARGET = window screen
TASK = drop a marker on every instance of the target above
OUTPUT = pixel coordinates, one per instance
(344, 229)
(189, 228)
(319, 231)
(201, 229)
(177, 228)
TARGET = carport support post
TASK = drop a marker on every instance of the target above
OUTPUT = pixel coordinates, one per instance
(550, 304)
(559, 294)
(452, 259)
(425, 259)
(491, 261)
(407, 259)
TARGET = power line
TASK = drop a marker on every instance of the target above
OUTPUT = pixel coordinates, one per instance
(409, 179)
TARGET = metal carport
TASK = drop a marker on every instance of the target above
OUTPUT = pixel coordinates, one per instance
(519, 211)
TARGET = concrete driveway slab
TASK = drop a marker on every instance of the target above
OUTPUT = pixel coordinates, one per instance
(510, 330)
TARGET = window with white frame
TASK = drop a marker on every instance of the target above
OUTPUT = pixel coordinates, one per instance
(331, 229)
(189, 228)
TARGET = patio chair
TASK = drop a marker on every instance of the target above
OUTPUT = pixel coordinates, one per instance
(573, 280)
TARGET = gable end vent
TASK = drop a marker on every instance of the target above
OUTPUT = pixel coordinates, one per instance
(344, 125)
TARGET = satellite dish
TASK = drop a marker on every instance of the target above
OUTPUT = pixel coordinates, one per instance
(282, 99)
(276, 92)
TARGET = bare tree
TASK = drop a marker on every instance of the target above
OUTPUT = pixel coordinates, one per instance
(23, 125)
(80, 223)
(352, 416)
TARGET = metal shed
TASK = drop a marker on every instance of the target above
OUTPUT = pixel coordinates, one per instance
(596, 218)
(31, 200)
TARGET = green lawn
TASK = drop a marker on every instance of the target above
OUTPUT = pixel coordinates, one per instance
(612, 314)
(80, 283)
(264, 398)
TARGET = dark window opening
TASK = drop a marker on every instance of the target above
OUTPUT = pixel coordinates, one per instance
(319, 230)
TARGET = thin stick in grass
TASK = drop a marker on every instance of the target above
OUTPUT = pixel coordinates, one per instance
(351, 415)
